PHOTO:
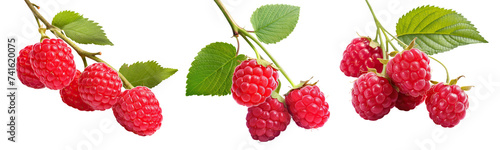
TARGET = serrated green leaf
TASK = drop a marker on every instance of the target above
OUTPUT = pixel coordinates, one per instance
(437, 29)
(211, 71)
(80, 29)
(273, 23)
(65, 17)
(147, 74)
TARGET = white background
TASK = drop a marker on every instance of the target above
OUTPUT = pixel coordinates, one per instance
(172, 33)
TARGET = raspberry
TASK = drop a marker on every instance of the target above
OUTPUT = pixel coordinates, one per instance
(99, 86)
(253, 83)
(373, 96)
(138, 111)
(267, 120)
(407, 103)
(410, 72)
(53, 63)
(308, 107)
(359, 56)
(71, 96)
(24, 71)
(446, 104)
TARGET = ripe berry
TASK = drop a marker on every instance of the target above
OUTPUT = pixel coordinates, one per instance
(446, 104)
(359, 56)
(410, 72)
(53, 63)
(253, 83)
(71, 96)
(373, 96)
(407, 103)
(99, 86)
(138, 111)
(24, 71)
(308, 107)
(267, 120)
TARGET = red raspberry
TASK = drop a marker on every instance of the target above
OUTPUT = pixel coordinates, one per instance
(308, 107)
(138, 111)
(267, 120)
(71, 96)
(410, 72)
(359, 56)
(99, 86)
(24, 71)
(373, 96)
(53, 63)
(446, 104)
(253, 83)
(407, 103)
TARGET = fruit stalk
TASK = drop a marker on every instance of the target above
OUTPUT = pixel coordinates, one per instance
(446, 69)
(57, 32)
(380, 31)
(251, 45)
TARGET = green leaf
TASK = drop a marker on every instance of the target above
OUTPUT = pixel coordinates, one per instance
(147, 74)
(273, 23)
(80, 29)
(64, 18)
(437, 29)
(211, 71)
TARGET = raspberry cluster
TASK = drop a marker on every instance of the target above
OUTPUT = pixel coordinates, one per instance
(267, 120)
(53, 64)
(410, 72)
(308, 107)
(99, 86)
(253, 85)
(359, 56)
(138, 111)
(406, 85)
(373, 96)
(447, 104)
(50, 64)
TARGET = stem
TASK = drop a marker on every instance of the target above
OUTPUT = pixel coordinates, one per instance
(37, 14)
(245, 33)
(446, 69)
(238, 42)
(399, 41)
(373, 14)
(37, 22)
(56, 31)
(253, 47)
(381, 27)
(393, 47)
(229, 19)
(384, 54)
(84, 59)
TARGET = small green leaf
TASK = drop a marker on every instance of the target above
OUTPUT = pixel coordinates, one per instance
(466, 88)
(276, 95)
(147, 74)
(211, 71)
(437, 29)
(80, 29)
(273, 23)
